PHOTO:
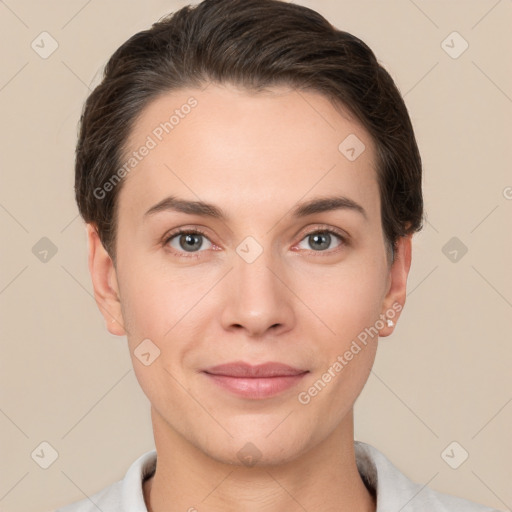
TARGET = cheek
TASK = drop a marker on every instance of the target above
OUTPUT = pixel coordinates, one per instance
(347, 303)
(156, 300)
(166, 308)
(345, 352)
(347, 298)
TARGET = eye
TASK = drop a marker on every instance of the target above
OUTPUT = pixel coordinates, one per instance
(186, 240)
(321, 239)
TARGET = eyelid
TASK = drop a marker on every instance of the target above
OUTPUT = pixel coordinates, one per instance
(326, 227)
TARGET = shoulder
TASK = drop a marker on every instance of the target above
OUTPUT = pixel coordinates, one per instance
(395, 491)
(428, 499)
(126, 495)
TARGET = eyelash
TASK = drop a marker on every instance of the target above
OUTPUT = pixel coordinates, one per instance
(196, 231)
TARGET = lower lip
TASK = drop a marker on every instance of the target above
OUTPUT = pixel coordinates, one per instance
(256, 388)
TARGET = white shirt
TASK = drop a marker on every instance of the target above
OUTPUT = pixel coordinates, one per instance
(394, 491)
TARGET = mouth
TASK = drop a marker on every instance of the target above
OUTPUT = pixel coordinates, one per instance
(255, 382)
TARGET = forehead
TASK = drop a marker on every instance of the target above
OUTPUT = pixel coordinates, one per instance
(245, 151)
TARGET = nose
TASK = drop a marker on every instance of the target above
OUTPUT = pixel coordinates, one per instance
(258, 299)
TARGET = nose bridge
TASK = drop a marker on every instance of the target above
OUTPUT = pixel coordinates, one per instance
(252, 268)
(258, 298)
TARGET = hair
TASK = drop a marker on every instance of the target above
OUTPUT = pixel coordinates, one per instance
(252, 44)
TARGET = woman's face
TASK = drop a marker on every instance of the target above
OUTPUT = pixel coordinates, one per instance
(267, 282)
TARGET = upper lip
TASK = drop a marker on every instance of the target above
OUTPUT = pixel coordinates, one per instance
(242, 369)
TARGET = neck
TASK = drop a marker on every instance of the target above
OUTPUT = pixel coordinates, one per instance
(323, 478)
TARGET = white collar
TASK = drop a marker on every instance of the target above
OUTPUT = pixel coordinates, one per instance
(394, 491)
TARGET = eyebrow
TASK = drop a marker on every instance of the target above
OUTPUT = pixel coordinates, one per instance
(204, 209)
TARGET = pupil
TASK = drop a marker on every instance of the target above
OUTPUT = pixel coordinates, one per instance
(192, 241)
(318, 239)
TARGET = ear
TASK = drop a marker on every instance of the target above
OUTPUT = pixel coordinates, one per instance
(394, 300)
(104, 280)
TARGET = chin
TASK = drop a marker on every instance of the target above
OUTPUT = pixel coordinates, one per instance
(255, 448)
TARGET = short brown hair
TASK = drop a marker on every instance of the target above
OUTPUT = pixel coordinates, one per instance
(255, 44)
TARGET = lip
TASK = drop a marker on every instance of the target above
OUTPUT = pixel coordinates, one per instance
(255, 381)
(242, 369)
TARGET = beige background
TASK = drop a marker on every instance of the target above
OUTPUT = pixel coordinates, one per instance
(443, 376)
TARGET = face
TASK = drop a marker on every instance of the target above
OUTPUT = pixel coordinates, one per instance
(265, 273)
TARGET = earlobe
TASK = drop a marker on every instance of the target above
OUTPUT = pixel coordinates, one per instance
(104, 280)
(395, 298)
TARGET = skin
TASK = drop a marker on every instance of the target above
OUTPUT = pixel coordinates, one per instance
(256, 156)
